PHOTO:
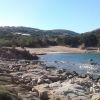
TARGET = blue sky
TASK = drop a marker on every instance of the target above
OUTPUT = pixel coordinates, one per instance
(75, 15)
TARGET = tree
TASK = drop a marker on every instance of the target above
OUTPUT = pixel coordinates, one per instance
(90, 40)
(72, 41)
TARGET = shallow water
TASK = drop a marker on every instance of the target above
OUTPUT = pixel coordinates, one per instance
(73, 61)
(73, 57)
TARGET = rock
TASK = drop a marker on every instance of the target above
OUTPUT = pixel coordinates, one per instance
(98, 82)
(28, 96)
(54, 78)
(35, 91)
(58, 97)
(33, 82)
(27, 86)
(16, 73)
(40, 81)
(55, 84)
(70, 76)
(43, 95)
(44, 77)
(21, 80)
(74, 73)
(46, 86)
(67, 74)
(67, 89)
(27, 79)
(22, 68)
(47, 81)
(83, 76)
(91, 89)
(60, 71)
(50, 67)
(97, 89)
(63, 77)
(80, 98)
(96, 96)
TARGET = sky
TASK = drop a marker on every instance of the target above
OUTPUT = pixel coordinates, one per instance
(76, 15)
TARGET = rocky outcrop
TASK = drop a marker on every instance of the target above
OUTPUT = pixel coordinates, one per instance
(12, 53)
(34, 81)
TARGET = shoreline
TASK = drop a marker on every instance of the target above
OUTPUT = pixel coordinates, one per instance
(55, 49)
(58, 49)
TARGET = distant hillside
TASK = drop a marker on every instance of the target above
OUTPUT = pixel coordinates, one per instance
(34, 31)
(95, 32)
(64, 32)
(33, 37)
(13, 29)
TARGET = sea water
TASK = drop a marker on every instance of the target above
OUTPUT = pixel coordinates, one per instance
(79, 62)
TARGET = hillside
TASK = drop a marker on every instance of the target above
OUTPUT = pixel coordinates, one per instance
(64, 32)
(34, 31)
(32, 37)
(95, 32)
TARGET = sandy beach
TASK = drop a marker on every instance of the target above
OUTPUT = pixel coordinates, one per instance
(55, 49)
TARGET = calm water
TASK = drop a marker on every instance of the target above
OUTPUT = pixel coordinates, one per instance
(71, 61)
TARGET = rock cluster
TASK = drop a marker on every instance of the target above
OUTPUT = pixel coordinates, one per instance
(36, 81)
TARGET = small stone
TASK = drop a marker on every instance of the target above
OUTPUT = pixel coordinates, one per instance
(44, 77)
(40, 81)
(70, 76)
(35, 92)
(33, 82)
(47, 81)
(60, 71)
(27, 79)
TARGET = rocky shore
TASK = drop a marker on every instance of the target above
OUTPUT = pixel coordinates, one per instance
(33, 80)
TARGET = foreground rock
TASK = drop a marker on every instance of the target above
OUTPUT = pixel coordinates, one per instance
(11, 53)
(36, 81)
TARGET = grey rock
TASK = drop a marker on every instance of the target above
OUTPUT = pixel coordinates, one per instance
(40, 81)
(44, 76)
(33, 82)
(61, 71)
(70, 76)
(54, 78)
(27, 79)
(47, 81)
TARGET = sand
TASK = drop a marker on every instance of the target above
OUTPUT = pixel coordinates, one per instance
(55, 49)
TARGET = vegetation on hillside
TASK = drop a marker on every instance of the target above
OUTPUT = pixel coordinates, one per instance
(31, 37)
